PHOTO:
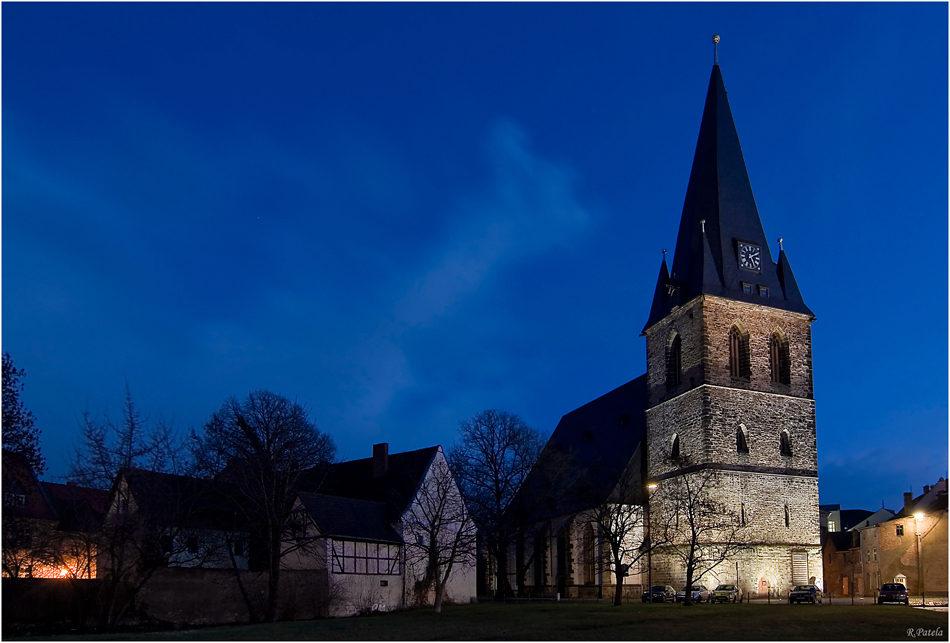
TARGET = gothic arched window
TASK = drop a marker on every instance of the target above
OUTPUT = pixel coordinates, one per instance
(779, 358)
(539, 558)
(674, 367)
(589, 560)
(785, 444)
(675, 447)
(739, 353)
(742, 440)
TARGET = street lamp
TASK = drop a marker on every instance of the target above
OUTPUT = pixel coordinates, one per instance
(917, 518)
(651, 487)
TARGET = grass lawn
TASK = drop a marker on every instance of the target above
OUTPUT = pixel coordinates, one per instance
(573, 621)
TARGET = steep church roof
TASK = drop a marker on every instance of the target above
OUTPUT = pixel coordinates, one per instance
(587, 455)
(719, 213)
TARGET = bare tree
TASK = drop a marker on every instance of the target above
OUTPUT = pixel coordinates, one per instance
(267, 443)
(438, 531)
(620, 523)
(107, 447)
(19, 433)
(491, 460)
(702, 532)
(144, 531)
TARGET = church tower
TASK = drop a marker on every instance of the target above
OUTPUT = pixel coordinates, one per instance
(729, 373)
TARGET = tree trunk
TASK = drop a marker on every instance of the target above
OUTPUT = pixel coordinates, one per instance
(273, 582)
(689, 584)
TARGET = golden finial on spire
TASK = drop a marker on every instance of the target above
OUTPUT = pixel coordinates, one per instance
(716, 47)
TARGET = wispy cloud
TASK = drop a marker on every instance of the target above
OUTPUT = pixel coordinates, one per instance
(528, 209)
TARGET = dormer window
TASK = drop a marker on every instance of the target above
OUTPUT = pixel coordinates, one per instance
(763, 291)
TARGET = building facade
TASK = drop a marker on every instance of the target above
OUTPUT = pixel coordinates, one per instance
(726, 410)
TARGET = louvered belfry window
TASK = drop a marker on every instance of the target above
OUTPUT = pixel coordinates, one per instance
(738, 353)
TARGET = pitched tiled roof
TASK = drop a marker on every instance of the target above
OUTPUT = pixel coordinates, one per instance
(587, 454)
(350, 518)
(80, 509)
(18, 478)
(933, 500)
(719, 212)
(354, 479)
(183, 501)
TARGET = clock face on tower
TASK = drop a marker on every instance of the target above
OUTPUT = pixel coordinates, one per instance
(750, 257)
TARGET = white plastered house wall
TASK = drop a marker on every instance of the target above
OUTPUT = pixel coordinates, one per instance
(460, 587)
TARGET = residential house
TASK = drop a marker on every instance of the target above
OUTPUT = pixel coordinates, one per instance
(165, 520)
(911, 547)
(369, 514)
(49, 530)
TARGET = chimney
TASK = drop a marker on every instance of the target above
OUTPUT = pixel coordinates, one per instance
(380, 459)
(71, 484)
(926, 488)
(908, 498)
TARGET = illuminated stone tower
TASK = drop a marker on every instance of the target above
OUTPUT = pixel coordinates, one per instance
(729, 371)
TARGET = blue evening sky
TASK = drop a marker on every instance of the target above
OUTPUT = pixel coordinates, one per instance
(402, 214)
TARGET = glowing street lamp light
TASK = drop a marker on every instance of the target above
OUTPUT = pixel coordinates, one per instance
(920, 581)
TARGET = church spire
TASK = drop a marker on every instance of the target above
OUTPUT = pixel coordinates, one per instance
(720, 229)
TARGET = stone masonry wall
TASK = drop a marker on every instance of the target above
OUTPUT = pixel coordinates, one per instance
(703, 325)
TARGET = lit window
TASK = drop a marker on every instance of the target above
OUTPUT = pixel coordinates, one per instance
(831, 525)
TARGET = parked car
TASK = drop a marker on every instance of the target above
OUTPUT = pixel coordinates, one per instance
(804, 594)
(700, 594)
(727, 594)
(892, 593)
(661, 594)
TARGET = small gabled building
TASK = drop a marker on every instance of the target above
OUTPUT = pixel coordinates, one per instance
(360, 549)
(370, 514)
(172, 521)
(29, 522)
(49, 530)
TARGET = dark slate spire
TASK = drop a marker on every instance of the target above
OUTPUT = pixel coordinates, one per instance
(664, 297)
(787, 278)
(719, 214)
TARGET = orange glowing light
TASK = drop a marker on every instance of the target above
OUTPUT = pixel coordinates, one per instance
(63, 572)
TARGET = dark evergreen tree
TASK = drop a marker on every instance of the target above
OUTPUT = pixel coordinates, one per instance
(19, 432)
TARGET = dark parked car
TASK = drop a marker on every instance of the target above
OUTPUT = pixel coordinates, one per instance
(727, 594)
(892, 593)
(700, 594)
(804, 594)
(661, 594)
